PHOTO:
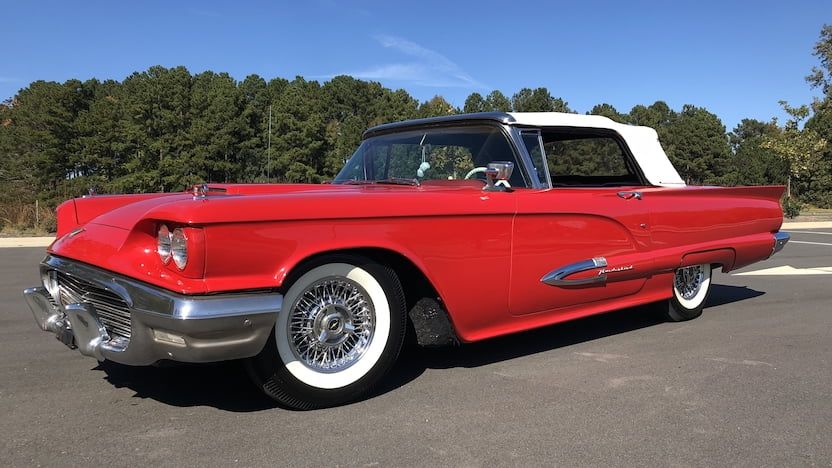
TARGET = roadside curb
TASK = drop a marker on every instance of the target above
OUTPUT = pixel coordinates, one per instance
(25, 241)
(808, 225)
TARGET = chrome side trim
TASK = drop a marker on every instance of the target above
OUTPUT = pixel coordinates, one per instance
(558, 277)
(780, 241)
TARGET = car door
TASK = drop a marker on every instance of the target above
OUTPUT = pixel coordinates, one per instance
(587, 239)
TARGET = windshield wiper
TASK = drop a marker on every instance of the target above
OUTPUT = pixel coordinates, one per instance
(388, 181)
(398, 181)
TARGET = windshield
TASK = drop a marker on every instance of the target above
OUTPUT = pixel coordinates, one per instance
(432, 154)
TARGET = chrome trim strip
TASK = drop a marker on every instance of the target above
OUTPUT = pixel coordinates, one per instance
(780, 241)
(151, 299)
(558, 277)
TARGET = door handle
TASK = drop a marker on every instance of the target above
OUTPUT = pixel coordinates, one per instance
(558, 277)
(629, 195)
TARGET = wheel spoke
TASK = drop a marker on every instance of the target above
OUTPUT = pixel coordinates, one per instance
(688, 281)
(331, 324)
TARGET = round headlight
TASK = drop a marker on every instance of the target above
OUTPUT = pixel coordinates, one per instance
(163, 244)
(179, 248)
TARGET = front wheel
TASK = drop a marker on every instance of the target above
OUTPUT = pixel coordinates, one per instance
(691, 286)
(340, 330)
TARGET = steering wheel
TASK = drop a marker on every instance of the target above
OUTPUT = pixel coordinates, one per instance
(476, 170)
(481, 170)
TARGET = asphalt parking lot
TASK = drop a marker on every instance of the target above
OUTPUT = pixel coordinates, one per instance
(749, 383)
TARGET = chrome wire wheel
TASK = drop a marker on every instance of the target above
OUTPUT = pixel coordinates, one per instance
(688, 281)
(691, 285)
(332, 324)
(339, 330)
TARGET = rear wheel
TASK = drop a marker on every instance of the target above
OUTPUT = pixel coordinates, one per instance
(340, 330)
(691, 286)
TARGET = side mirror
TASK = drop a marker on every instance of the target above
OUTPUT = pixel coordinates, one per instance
(497, 175)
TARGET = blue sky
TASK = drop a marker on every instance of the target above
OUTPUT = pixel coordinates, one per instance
(735, 58)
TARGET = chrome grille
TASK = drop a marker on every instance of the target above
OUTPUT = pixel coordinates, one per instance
(51, 300)
(111, 309)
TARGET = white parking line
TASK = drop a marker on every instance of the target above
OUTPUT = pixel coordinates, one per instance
(787, 270)
(811, 232)
(810, 243)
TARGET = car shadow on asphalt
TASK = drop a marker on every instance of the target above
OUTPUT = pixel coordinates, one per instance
(722, 294)
(226, 385)
(565, 334)
(223, 385)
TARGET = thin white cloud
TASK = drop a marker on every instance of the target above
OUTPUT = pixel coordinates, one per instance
(430, 68)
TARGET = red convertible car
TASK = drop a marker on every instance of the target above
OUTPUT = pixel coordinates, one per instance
(457, 228)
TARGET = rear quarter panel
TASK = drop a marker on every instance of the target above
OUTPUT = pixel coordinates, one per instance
(730, 226)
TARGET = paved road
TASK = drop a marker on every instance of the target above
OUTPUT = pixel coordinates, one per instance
(749, 383)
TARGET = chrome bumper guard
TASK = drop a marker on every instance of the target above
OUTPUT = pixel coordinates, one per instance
(164, 325)
(780, 241)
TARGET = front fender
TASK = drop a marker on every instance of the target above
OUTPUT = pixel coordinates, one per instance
(463, 257)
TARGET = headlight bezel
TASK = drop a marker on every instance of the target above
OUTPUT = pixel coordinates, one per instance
(190, 254)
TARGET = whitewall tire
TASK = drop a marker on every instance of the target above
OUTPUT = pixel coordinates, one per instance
(691, 286)
(340, 330)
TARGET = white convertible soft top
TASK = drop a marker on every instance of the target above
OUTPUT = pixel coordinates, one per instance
(642, 141)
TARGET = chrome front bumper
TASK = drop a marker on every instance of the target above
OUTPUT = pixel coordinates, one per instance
(163, 324)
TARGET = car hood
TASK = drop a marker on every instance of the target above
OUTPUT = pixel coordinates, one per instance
(257, 203)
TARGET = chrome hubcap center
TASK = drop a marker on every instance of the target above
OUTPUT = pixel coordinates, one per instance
(688, 281)
(331, 324)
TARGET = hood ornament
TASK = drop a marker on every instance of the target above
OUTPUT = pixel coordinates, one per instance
(200, 190)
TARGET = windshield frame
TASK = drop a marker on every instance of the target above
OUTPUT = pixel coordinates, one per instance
(510, 133)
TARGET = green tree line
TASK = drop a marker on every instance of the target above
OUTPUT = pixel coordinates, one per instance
(164, 129)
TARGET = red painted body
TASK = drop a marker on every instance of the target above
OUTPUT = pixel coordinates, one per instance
(484, 252)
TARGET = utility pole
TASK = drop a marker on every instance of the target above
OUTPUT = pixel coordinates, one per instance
(269, 149)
